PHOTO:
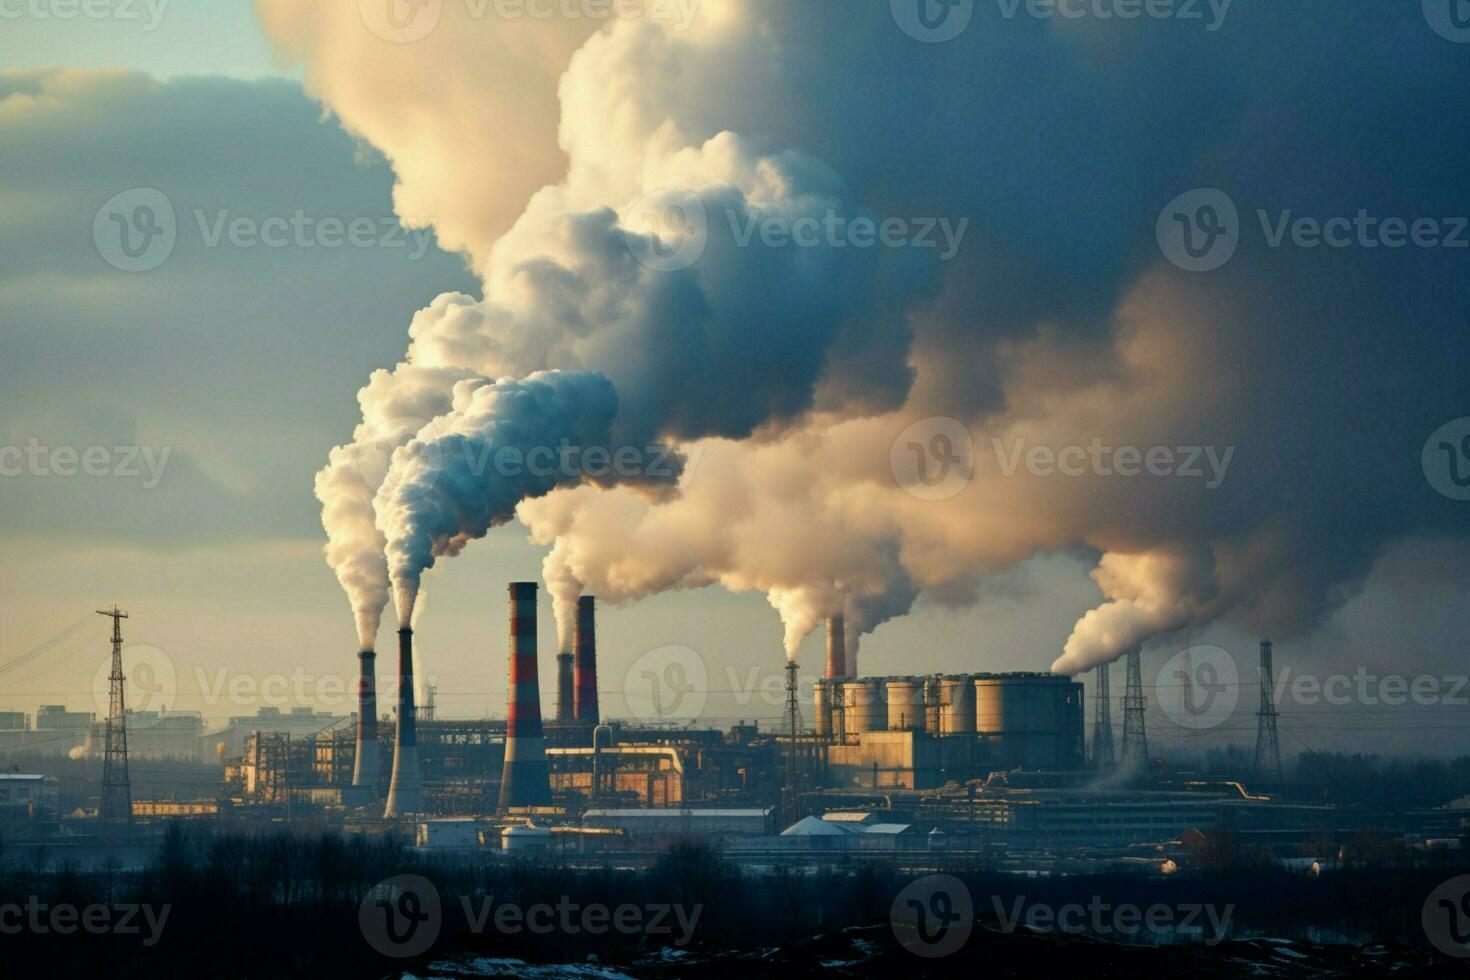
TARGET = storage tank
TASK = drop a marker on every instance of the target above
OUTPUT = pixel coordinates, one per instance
(822, 698)
(1033, 721)
(957, 705)
(905, 703)
(862, 706)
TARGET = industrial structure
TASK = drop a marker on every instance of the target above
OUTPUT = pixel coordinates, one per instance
(524, 781)
(116, 805)
(365, 766)
(405, 790)
(1268, 741)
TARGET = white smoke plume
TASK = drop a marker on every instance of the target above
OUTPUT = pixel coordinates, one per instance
(466, 471)
(790, 372)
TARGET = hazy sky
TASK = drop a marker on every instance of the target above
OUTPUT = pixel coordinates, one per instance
(241, 360)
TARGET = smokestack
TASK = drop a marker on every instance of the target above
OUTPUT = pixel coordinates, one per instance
(365, 767)
(405, 794)
(566, 709)
(836, 648)
(524, 780)
(585, 645)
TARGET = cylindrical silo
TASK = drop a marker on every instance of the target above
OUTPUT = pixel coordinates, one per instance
(957, 705)
(905, 703)
(862, 706)
(822, 696)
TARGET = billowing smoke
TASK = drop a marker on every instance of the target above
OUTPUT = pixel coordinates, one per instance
(501, 443)
(1241, 442)
(395, 405)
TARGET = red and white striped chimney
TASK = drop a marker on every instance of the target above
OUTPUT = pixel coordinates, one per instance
(525, 780)
(585, 645)
(365, 765)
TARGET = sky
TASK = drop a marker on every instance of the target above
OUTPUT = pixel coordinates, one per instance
(485, 162)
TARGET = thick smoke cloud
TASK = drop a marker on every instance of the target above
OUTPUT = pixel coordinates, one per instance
(1318, 372)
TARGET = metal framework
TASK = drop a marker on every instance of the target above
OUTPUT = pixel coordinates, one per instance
(116, 805)
(1135, 735)
(1103, 756)
(1268, 742)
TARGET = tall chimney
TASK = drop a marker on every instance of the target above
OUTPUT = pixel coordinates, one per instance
(524, 781)
(365, 767)
(586, 648)
(405, 793)
(836, 648)
(566, 708)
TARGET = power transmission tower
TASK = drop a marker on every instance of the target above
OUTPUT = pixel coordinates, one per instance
(1268, 742)
(792, 790)
(1135, 738)
(1102, 727)
(116, 806)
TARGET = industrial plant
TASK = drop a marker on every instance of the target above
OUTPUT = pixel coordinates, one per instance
(979, 765)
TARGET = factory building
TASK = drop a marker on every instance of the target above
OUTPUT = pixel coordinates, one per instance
(921, 732)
